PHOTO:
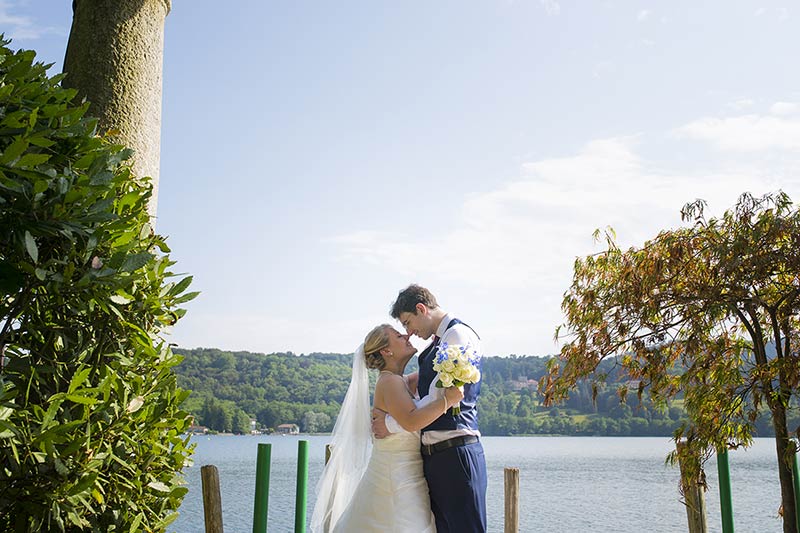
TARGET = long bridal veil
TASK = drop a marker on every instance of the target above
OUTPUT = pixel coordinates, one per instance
(351, 445)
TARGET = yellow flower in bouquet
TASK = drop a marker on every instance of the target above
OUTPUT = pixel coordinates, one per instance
(457, 365)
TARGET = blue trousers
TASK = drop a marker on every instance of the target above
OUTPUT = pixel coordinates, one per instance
(457, 484)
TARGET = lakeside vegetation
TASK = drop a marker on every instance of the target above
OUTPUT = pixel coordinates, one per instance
(231, 388)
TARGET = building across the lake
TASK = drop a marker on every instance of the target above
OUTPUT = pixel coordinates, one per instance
(288, 429)
(524, 383)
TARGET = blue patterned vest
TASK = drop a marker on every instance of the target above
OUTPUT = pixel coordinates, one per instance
(468, 419)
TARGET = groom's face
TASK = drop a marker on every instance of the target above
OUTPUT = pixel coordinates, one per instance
(418, 323)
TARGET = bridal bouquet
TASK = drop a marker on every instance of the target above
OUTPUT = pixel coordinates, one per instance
(456, 365)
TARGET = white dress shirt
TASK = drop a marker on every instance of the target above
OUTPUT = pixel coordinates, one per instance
(459, 334)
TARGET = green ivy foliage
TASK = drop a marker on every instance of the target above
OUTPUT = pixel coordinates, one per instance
(91, 427)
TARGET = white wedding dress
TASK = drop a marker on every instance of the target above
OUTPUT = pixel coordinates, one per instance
(371, 485)
(392, 496)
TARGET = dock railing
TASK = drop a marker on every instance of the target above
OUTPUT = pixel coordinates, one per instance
(212, 502)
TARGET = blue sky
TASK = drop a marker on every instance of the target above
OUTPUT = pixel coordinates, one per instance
(317, 157)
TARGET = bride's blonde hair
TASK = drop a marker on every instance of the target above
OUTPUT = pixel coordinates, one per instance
(375, 341)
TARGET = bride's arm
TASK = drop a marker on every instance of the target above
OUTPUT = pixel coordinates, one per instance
(390, 425)
(392, 391)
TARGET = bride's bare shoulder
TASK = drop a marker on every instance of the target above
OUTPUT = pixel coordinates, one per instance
(389, 381)
(389, 377)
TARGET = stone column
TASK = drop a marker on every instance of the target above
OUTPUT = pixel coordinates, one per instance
(114, 58)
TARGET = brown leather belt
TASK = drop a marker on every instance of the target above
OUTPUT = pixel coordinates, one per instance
(430, 449)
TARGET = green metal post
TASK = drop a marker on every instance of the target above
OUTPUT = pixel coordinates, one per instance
(725, 499)
(302, 481)
(261, 507)
(796, 476)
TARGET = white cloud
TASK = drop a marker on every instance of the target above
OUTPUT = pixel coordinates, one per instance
(527, 233)
(602, 68)
(643, 15)
(746, 133)
(760, 11)
(551, 7)
(22, 27)
(741, 104)
(512, 248)
(784, 108)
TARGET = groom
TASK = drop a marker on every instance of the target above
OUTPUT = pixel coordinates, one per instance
(452, 454)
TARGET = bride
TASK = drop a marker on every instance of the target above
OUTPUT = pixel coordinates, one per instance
(384, 490)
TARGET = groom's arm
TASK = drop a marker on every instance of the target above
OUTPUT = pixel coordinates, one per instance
(412, 380)
(379, 428)
(383, 424)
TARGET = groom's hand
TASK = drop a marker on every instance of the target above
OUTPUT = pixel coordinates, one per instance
(379, 424)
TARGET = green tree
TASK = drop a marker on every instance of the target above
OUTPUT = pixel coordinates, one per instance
(90, 423)
(240, 422)
(526, 406)
(316, 422)
(215, 416)
(694, 311)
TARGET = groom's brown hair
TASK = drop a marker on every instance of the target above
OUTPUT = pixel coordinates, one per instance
(408, 299)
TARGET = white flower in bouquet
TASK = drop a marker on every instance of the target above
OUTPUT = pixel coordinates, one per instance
(457, 365)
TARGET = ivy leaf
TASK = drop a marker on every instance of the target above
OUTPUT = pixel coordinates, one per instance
(180, 286)
(77, 398)
(13, 151)
(30, 246)
(135, 404)
(41, 141)
(170, 518)
(60, 466)
(31, 160)
(118, 299)
(78, 379)
(159, 486)
(186, 297)
(40, 186)
(85, 482)
(6, 432)
(137, 521)
(51, 412)
(135, 262)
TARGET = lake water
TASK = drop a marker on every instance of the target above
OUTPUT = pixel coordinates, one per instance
(567, 484)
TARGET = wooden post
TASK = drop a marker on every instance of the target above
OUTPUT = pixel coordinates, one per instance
(693, 493)
(212, 503)
(512, 500)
